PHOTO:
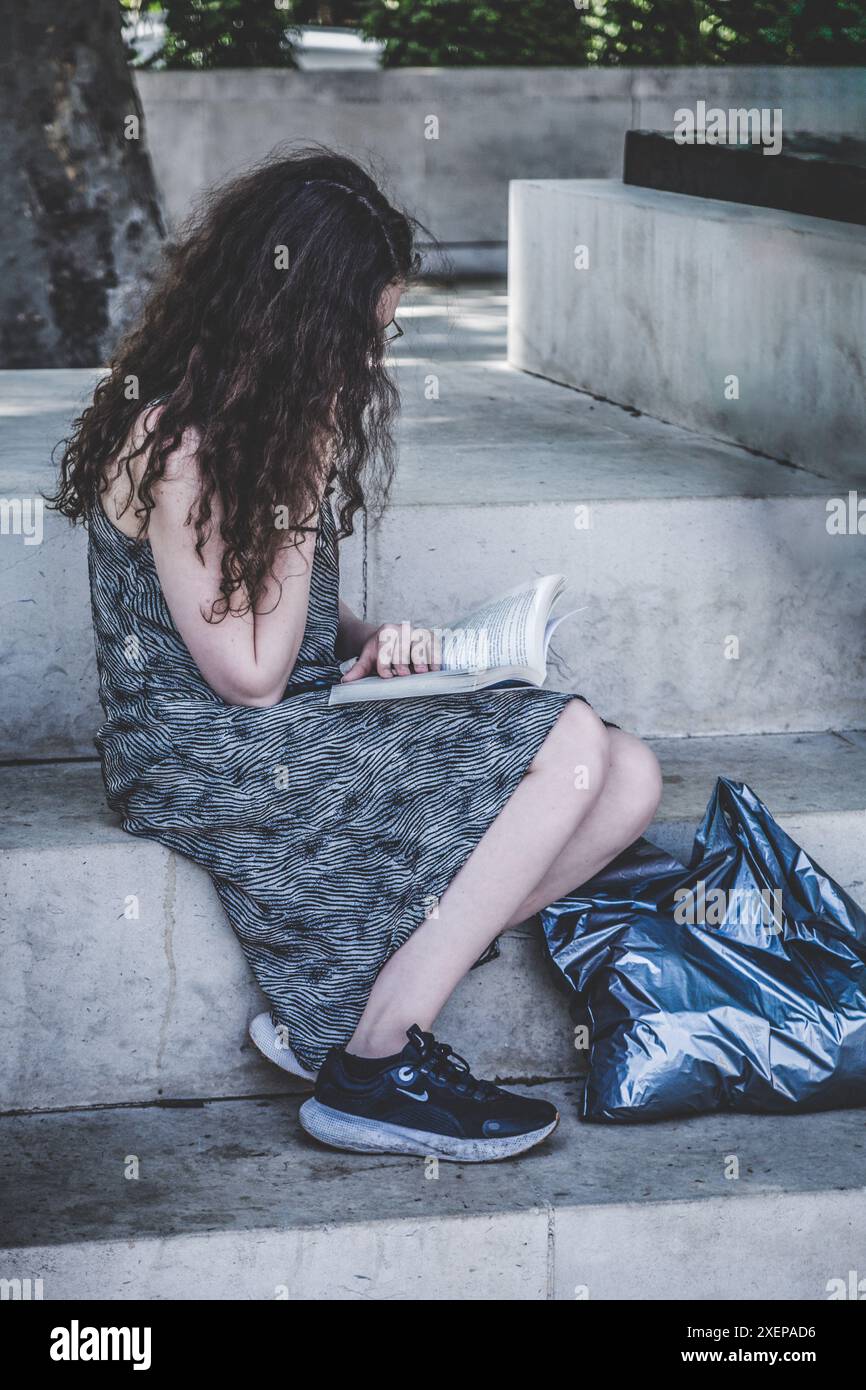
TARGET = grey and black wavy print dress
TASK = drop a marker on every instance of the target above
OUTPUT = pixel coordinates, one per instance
(328, 833)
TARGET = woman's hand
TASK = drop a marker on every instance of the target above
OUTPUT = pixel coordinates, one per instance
(397, 649)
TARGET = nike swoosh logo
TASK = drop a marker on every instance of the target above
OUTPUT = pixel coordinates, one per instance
(414, 1094)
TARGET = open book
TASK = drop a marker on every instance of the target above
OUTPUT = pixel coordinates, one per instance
(506, 640)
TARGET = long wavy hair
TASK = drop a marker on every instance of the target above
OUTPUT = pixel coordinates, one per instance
(261, 332)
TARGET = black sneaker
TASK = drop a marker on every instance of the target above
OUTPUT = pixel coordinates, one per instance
(424, 1101)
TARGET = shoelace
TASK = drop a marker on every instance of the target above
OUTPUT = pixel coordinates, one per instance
(440, 1059)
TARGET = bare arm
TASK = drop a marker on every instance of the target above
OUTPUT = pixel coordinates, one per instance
(245, 658)
(352, 633)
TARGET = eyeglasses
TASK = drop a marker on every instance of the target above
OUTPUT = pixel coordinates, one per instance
(391, 332)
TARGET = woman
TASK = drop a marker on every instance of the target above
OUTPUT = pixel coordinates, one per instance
(213, 561)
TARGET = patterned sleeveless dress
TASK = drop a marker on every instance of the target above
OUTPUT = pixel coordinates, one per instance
(329, 834)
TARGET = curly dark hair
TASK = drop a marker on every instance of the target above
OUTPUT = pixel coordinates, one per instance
(261, 332)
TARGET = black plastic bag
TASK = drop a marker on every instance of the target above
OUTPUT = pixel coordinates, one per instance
(747, 993)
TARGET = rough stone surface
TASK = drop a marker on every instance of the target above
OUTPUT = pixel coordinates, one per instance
(681, 294)
(80, 221)
(100, 1007)
(231, 1200)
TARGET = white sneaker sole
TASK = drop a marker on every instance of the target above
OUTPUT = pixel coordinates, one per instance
(269, 1041)
(359, 1135)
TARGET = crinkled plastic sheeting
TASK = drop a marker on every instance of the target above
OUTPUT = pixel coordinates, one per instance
(736, 984)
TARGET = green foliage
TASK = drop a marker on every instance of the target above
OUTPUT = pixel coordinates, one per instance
(530, 33)
(826, 32)
(463, 33)
(640, 33)
(227, 34)
(342, 13)
(537, 33)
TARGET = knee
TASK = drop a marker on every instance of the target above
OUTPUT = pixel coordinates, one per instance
(578, 746)
(637, 772)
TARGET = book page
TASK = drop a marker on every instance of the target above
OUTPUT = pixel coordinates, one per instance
(495, 635)
(507, 636)
(507, 631)
(553, 623)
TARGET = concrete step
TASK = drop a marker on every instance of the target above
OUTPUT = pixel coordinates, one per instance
(713, 599)
(690, 543)
(99, 1008)
(679, 295)
(232, 1201)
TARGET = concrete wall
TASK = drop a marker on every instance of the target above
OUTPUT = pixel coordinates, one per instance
(677, 296)
(494, 124)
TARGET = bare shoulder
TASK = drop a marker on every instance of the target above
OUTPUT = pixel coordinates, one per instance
(177, 490)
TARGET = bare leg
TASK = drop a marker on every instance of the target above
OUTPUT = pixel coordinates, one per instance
(627, 804)
(536, 827)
